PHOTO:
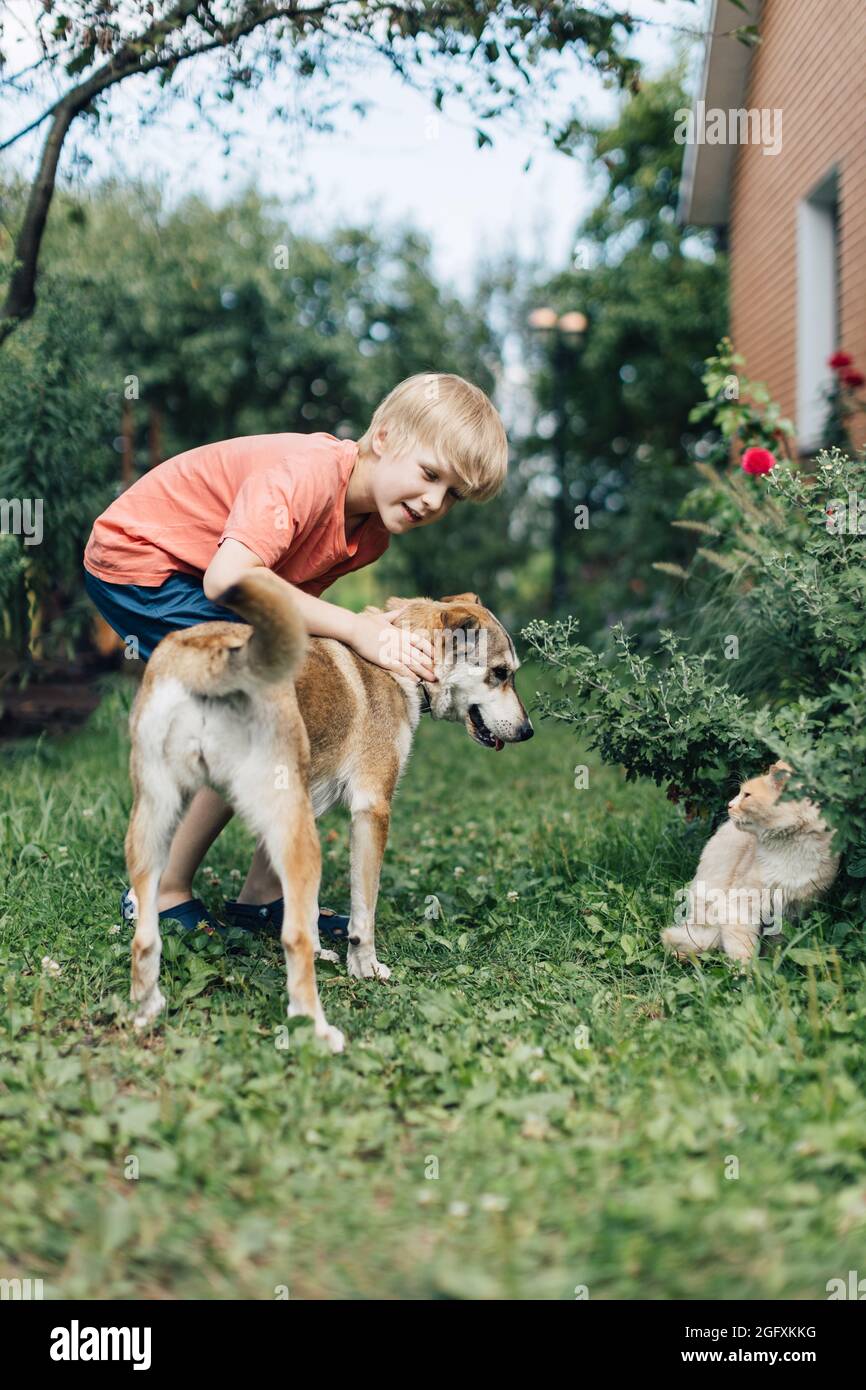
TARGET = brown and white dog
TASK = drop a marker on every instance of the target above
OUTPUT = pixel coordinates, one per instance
(286, 726)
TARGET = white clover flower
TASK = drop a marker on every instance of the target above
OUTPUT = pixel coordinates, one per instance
(459, 1209)
(112, 931)
(459, 871)
(49, 966)
(425, 1196)
(491, 1201)
(538, 1074)
(512, 895)
(87, 812)
(62, 849)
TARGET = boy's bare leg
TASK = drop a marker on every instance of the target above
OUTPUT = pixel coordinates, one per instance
(262, 884)
(205, 817)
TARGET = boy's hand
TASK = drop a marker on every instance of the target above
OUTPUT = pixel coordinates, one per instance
(396, 649)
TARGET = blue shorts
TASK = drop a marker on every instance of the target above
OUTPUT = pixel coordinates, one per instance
(148, 612)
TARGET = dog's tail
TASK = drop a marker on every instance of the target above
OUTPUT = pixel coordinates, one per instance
(278, 644)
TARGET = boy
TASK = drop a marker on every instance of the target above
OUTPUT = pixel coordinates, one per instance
(311, 508)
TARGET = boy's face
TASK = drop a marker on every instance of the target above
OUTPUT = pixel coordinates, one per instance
(412, 488)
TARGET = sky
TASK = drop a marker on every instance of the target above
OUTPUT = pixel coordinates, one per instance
(400, 164)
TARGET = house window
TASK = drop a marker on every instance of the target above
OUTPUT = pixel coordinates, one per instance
(817, 310)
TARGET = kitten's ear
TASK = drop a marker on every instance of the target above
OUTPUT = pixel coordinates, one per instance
(780, 772)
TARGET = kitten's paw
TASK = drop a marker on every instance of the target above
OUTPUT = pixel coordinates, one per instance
(689, 940)
(674, 940)
(740, 948)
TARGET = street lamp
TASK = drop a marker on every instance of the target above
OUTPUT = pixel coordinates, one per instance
(565, 333)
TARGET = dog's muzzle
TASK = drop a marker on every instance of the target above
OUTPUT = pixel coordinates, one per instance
(483, 735)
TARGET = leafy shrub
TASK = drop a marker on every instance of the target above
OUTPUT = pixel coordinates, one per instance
(843, 401)
(56, 430)
(799, 556)
(741, 410)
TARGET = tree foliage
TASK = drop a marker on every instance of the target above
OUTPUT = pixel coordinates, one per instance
(654, 296)
(56, 433)
(487, 54)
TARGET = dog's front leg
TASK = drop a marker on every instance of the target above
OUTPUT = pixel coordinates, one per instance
(369, 838)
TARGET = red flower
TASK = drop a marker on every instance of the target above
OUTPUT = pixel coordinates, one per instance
(853, 378)
(758, 461)
(838, 360)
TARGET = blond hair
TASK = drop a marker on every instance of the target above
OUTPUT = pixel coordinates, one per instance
(454, 419)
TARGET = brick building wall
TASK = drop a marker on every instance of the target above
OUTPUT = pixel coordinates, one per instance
(811, 64)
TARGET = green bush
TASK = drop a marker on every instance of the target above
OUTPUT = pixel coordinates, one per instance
(56, 431)
(797, 561)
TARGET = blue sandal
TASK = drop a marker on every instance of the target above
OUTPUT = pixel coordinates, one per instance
(191, 915)
(332, 926)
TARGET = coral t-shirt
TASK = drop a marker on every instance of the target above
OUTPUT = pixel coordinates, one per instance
(282, 495)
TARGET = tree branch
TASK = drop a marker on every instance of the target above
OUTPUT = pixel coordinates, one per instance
(128, 62)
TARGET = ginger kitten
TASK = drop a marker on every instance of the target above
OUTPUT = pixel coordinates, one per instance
(770, 858)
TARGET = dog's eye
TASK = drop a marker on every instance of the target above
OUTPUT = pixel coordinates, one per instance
(501, 673)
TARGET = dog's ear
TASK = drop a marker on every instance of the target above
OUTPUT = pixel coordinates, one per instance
(461, 598)
(459, 616)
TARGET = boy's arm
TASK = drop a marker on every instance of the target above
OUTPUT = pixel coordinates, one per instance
(408, 653)
(320, 619)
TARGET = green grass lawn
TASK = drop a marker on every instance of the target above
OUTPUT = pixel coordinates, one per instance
(539, 1099)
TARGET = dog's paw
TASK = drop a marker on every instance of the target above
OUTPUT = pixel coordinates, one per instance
(332, 1036)
(363, 965)
(321, 1027)
(148, 1010)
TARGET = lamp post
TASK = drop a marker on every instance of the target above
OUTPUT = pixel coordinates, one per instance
(565, 334)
